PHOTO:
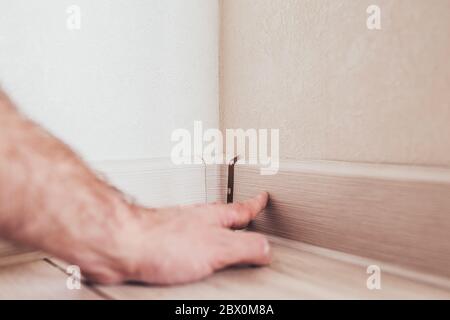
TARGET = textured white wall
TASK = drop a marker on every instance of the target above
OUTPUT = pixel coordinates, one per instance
(116, 88)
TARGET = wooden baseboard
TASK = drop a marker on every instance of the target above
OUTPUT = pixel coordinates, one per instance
(397, 214)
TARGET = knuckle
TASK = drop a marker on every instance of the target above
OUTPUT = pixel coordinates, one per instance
(242, 209)
(261, 243)
(237, 206)
(247, 211)
(233, 215)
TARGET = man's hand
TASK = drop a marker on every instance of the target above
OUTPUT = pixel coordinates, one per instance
(50, 200)
(182, 244)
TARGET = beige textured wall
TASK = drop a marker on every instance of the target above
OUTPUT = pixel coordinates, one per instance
(335, 89)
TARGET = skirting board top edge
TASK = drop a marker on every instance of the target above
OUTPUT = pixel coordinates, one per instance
(142, 165)
(363, 169)
(340, 168)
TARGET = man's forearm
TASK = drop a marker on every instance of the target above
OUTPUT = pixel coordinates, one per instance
(48, 197)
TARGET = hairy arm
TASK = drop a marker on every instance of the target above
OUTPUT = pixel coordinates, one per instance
(50, 200)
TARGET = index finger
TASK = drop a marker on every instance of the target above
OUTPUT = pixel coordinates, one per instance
(239, 214)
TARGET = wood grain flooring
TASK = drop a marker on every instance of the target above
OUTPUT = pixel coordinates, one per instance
(298, 271)
(11, 253)
(38, 280)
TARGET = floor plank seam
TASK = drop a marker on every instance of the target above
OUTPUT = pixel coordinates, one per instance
(88, 285)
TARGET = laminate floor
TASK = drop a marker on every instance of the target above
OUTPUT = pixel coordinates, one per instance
(298, 271)
(38, 280)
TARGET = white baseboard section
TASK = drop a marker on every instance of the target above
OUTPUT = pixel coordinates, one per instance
(159, 182)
